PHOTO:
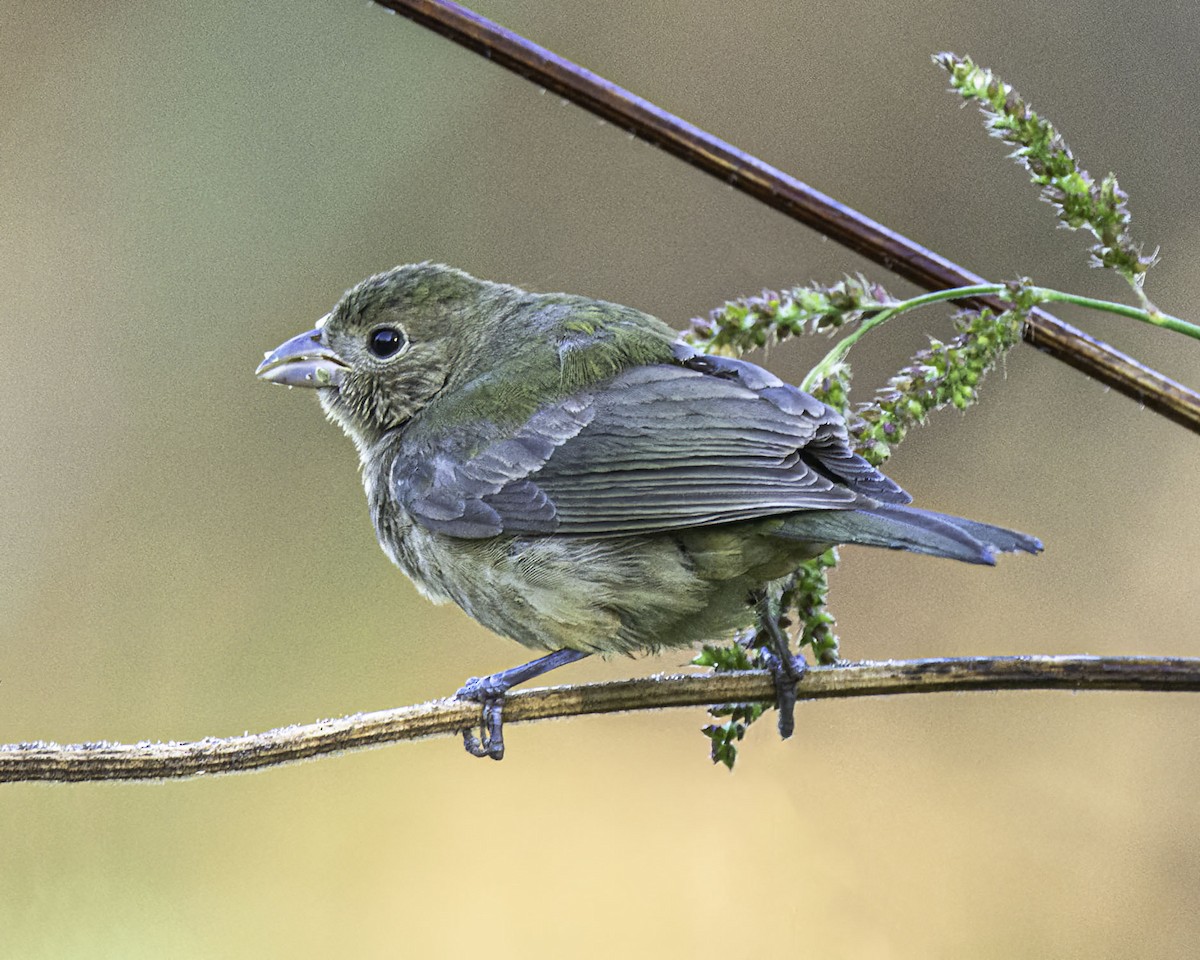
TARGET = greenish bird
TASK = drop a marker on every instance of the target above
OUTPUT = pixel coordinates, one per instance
(576, 479)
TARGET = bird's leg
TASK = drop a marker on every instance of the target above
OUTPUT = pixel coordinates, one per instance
(489, 692)
(785, 668)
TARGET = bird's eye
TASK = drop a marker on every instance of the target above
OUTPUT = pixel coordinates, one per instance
(385, 342)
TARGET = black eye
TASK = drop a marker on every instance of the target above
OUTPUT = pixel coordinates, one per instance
(385, 341)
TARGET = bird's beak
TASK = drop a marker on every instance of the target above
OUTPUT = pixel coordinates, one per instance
(303, 362)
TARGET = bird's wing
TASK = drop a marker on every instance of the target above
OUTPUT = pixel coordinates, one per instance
(659, 447)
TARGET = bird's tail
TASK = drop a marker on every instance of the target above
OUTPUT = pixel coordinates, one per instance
(909, 528)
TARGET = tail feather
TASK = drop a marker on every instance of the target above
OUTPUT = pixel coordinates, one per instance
(909, 528)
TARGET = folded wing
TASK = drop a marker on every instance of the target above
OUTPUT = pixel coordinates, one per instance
(705, 441)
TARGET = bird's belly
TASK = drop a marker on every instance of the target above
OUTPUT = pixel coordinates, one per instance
(607, 595)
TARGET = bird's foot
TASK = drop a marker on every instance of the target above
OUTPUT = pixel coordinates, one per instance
(489, 694)
(786, 669)
(786, 672)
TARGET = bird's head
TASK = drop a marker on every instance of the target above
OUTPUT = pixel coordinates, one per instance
(389, 346)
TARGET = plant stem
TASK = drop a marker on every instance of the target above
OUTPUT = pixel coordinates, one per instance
(1156, 317)
(1004, 291)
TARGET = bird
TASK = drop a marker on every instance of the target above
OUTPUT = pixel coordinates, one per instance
(578, 479)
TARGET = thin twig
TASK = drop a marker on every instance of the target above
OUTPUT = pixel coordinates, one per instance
(157, 761)
(791, 197)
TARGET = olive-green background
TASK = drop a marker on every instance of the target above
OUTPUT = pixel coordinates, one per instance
(185, 551)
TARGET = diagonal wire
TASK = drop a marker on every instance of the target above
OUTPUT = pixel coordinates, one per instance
(795, 199)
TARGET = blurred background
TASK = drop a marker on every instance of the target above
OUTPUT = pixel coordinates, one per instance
(185, 551)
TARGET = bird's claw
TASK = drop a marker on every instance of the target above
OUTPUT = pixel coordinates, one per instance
(490, 691)
(787, 673)
(491, 744)
(786, 669)
(488, 694)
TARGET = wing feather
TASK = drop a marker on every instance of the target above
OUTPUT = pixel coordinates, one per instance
(658, 447)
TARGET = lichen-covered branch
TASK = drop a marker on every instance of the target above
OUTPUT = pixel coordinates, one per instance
(160, 761)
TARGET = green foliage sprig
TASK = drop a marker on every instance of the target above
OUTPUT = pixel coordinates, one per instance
(749, 322)
(805, 592)
(743, 653)
(943, 373)
(1081, 201)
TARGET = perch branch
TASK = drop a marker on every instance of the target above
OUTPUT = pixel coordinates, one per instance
(157, 761)
(795, 199)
